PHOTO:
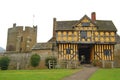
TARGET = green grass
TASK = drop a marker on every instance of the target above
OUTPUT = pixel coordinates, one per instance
(54, 74)
(106, 74)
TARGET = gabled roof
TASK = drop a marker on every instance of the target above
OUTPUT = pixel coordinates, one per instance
(85, 16)
(42, 46)
(65, 25)
(52, 40)
(104, 25)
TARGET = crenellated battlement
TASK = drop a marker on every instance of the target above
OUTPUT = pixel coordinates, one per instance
(20, 38)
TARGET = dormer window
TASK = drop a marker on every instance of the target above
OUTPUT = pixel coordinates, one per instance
(85, 24)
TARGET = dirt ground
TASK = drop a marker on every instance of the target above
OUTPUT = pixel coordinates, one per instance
(84, 74)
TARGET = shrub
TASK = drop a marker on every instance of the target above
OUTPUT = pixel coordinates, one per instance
(35, 59)
(53, 61)
(4, 63)
(95, 62)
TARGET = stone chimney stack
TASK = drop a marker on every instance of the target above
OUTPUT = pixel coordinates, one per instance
(93, 16)
(54, 27)
(14, 25)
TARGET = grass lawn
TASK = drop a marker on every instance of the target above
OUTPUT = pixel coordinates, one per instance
(53, 74)
(106, 74)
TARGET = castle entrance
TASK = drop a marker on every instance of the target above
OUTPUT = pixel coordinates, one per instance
(84, 51)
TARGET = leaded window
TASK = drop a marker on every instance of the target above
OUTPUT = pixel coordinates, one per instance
(107, 52)
(67, 51)
(85, 24)
(83, 34)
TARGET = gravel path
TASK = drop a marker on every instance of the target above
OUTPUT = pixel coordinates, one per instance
(84, 74)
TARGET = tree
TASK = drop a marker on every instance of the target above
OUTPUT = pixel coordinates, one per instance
(4, 63)
(35, 59)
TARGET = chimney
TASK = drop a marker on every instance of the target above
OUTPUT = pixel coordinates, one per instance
(14, 25)
(93, 16)
(54, 27)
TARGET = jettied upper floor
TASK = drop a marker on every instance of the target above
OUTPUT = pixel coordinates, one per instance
(85, 30)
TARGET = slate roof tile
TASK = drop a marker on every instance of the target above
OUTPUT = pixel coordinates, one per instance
(42, 46)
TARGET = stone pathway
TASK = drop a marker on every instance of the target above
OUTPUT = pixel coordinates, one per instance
(84, 74)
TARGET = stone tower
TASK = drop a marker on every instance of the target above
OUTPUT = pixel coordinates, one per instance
(21, 40)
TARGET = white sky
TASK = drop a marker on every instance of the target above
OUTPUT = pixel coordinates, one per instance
(21, 12)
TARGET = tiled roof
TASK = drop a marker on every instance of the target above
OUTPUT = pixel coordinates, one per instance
(42, 46)
(65, 25)
(52, 40)
(104, 25)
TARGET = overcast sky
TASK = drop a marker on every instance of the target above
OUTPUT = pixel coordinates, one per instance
(21, 12)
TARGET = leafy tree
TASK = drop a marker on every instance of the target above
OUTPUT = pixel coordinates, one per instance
(4, 63)
(35, 59)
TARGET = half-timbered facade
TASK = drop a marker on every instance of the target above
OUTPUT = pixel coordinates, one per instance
(91, 38)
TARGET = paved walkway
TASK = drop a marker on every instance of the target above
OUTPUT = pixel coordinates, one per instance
(84, 74)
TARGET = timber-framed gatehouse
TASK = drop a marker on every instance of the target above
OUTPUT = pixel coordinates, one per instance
(91, 38)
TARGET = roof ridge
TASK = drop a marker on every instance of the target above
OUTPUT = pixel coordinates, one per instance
(67, 20)
(103, 20)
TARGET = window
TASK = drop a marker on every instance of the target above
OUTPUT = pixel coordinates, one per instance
(22, 39)
(85, 24)
(83, 34)
(107, 52)
(30, 39)
(67, 51)
(20, 49)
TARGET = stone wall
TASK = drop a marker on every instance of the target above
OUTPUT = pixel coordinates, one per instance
(22, 60)
(44, 54)
(117, 55)
(18, 60)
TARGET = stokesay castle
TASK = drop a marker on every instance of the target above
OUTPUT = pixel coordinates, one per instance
(90, 38)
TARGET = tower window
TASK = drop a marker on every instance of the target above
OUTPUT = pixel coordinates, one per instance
(22, 39)
(20, 49)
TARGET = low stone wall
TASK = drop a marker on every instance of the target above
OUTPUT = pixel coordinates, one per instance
(107, 64)
(22, 60)
(18, 60)
(117, 55)
(44, 54)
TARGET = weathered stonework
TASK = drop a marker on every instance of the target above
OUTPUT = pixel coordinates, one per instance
(117, 56)
(18, 60)
(20, 40)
